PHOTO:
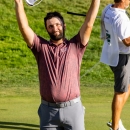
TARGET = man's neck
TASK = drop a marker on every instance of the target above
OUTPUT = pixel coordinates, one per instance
(119, 5)
(57, 42)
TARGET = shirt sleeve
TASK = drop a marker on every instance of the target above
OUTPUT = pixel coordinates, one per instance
(123, 28)
(77, 40)
(76, 43)
(36, 43)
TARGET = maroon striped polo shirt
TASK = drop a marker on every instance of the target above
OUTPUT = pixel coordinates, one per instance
(59, 68)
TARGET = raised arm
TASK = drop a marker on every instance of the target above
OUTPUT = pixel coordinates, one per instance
(87, 26)
(26, 31)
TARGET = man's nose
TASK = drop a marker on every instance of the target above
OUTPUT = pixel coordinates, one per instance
(55, 28)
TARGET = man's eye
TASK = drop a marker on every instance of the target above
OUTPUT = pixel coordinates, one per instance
(58, 24)
(50, 26)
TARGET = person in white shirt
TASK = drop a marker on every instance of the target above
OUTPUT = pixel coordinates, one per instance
(115, 31)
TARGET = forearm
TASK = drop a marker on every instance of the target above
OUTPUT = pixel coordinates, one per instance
(26, 31)
(92, 13)
(20, 15)
(86, 28)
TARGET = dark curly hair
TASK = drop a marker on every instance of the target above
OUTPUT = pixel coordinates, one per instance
(53, 14)
(117, 1)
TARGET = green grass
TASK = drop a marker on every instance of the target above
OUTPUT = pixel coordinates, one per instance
(19, 86)
(18, 109)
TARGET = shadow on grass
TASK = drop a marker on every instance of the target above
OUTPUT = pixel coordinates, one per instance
(18, 126)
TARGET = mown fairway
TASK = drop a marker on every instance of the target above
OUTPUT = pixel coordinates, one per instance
(19, 87)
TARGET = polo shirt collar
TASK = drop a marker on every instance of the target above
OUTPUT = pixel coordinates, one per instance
(64, 42)
(117, 9)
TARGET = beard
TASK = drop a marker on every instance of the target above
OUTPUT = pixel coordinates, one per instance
(56, 37)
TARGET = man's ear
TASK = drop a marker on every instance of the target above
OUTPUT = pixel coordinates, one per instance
(64, 26)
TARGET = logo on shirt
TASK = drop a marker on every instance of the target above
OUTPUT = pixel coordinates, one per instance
(64, 49)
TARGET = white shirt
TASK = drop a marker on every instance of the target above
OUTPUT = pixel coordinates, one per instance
(117, 28)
